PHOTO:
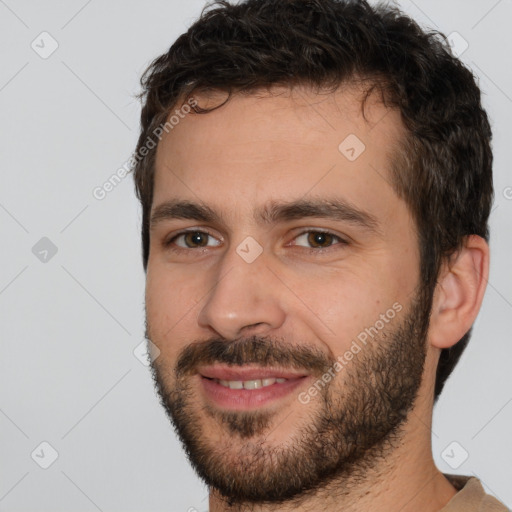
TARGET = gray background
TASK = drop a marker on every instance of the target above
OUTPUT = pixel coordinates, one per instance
(70, 321)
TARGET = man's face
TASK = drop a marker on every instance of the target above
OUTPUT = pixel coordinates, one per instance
(325, 301)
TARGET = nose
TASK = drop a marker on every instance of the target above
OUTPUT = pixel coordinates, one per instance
(244, 299)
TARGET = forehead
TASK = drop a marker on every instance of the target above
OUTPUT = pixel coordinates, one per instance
(270, 144)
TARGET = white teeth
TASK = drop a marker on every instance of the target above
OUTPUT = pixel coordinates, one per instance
(233, 384)
(249, 384)
(252, 384)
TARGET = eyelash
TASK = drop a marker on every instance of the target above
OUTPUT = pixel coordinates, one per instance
(169, 243)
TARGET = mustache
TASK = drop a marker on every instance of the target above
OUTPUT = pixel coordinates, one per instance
(258, 350)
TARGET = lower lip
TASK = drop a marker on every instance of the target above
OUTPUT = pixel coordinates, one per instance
(244, 399)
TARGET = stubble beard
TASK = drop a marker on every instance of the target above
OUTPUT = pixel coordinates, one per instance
(353, 427)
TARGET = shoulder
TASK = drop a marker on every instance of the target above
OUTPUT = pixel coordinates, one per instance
(471, 496)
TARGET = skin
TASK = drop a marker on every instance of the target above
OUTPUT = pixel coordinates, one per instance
(283, 146)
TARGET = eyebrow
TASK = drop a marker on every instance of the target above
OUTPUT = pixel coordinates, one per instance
(335, 209)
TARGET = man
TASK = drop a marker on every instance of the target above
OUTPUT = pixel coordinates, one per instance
(315, 241)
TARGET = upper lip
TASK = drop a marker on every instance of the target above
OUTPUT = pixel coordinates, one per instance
(247, 373)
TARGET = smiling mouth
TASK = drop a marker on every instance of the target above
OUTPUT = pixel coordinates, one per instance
(244, 388)
(249, 384)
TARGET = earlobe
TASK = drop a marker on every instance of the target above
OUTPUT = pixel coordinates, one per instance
(459, 293)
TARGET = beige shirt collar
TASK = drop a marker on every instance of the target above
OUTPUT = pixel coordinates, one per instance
(471, 497)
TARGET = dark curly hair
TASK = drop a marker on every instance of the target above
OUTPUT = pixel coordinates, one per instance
(443, 168)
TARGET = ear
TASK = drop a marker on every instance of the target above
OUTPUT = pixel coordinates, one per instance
(459, 293)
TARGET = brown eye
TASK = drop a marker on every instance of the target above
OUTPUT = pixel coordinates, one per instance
(192, 240)
(195, 238)
(320, 239)
(315, 239)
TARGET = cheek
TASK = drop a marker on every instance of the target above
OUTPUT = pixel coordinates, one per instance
(171, 291)
(340, 305)
(340, 312)
(171, 306)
